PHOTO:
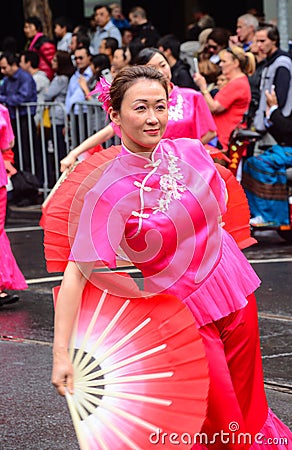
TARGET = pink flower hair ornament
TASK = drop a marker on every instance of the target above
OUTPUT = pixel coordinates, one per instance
(102, 91)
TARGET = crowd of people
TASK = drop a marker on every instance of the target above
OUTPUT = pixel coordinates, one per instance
(168, 114)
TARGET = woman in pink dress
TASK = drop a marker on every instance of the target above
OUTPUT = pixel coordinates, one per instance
(10, 274)
(160, 201)
(232, 101)
(188, 113)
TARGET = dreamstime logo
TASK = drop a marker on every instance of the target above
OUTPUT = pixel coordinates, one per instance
(167, 243)
(223, 437)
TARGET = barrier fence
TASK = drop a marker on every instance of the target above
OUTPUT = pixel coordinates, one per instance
(44, 138)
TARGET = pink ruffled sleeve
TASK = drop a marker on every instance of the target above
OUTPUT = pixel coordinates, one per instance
(99, 232)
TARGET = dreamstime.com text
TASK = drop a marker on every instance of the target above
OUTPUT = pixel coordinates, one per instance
(231, 437)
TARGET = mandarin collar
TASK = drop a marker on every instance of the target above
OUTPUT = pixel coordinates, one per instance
(130, 158)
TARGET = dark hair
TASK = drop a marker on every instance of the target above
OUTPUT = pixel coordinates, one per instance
(170, 41)
(32, 57)
(64, 22)
(220, 36)
(112, 43)
(129, 76)
(101, 60)
(272, 32)
(11, 58)
(82, 40)
(96, 7)
(65, 64)
(146, 54)
(135, 47)
(36, 21)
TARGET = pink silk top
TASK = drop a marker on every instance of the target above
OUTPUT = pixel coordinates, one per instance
(6, 140)
(164, 213)
(188, 114)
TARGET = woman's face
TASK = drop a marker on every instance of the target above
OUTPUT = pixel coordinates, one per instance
(228, 63)
(159, 63)
(143, 115)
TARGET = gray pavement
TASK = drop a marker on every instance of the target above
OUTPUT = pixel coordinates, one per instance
(34, 417)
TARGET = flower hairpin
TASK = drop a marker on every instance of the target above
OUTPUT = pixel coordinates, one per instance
(102, 90)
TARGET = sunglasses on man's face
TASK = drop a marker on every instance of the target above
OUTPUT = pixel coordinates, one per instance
(79, 57)
(212, 47)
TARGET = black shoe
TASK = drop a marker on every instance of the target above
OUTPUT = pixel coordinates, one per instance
(8, 299)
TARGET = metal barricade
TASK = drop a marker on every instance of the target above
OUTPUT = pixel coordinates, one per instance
(38, 146)
(90, 118)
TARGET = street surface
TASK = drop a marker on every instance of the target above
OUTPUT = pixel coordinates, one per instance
(34, 417)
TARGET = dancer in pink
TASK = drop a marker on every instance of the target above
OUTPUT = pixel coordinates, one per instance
(161, 202)
(11, 277)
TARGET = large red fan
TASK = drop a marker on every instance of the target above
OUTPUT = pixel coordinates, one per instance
(59, 220)
(140, 371)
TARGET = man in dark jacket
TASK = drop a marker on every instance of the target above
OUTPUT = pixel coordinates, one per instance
(169, 45)
(143, 30)
(40, 43)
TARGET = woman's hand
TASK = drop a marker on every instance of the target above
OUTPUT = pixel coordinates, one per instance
(68, 162)
(200, 81)
(62, 373)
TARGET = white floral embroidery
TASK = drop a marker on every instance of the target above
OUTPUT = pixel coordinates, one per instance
(169, 185)
(176, 112)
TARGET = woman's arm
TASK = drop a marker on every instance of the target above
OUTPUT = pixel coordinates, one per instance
(98, 138)
(207, 137)
(214, 106)
(68, 302)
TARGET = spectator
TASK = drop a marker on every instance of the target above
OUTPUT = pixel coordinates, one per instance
(203, 52)
(29, 61)
(108, 46)
(118, 18)
(104, 27)
(277, 71)
(79, 39)
(101, 67)
(121, 58)
(169, 45)
(232, 101)
(63, 33)
(142, 28)
(75, 93)
(127, 36)
(245, 31)
(217, 40)
(255, 82)
(202, 20)
(38, 42)
(264, 176)
(19, 87)
(56, 92)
